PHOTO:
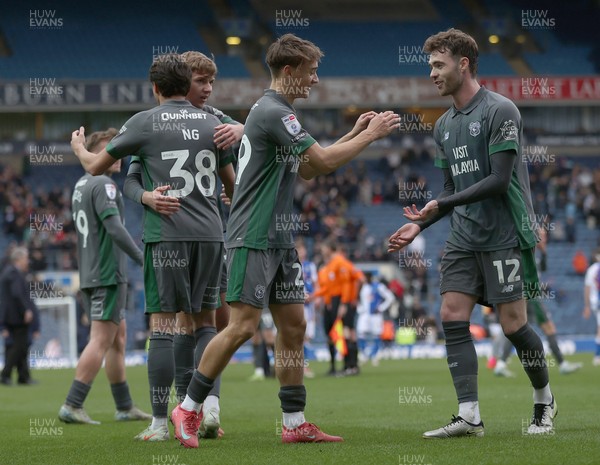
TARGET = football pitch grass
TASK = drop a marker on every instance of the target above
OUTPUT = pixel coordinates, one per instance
(381, 414)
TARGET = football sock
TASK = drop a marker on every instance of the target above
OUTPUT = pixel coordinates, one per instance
(197, 391)
(183, 351)
(353, 354)
(211, 403)
(203, 337)
(77, 393)
(257, 353)
(543, 395)
(293, 399)
(293, 420)
(531, 353)
(332, 354)
(462, 359)
(555, 349)
(161, 372)
(469, 411)
(159, 422)
(598, 347)
(506, 349)
(121, 395)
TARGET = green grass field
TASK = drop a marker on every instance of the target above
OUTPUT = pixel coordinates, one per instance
(378, 425)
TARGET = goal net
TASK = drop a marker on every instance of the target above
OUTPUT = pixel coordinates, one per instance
(57, 345)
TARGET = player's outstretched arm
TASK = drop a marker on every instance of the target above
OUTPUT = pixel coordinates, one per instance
(326, 160)
(412, 212)
(121, 237)
(403, 237)
(361, 124)
(94, 163)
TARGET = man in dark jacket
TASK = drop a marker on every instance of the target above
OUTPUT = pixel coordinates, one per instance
(17, 313)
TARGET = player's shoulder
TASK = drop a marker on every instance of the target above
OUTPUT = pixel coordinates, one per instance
(496, 101)
(272, 104)
(102, 184)
(441, 121)
(213, 111)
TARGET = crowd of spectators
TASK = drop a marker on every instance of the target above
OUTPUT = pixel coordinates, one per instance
(41, 219)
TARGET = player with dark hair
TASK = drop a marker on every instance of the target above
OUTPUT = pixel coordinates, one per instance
(489, 254)
(183, 249)
(102, 242)
(190, 339)
(261, 256)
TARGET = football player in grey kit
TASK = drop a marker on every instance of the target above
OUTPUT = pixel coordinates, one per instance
(102, 242)
(262, 260)
(191, 337)
(174, 145)
(489, 251)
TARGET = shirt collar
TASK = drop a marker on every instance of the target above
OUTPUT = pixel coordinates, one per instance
(277, 96)
(182, 103)
(478, 97)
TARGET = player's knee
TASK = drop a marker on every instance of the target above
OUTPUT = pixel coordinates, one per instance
(242, 332)
(294, 332)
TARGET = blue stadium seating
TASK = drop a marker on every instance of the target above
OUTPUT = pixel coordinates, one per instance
(105, 45)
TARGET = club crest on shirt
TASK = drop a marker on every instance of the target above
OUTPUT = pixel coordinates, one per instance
(259, 291)
(292, 124)
(111, 191)
(446, 136)
(474, 128)
(509, 130)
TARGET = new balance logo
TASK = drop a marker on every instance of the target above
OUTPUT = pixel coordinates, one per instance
(507, 288)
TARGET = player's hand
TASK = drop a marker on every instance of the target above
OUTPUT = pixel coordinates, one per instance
(224, 197)
(383, 124)
(5, 333)
(428, 211)
(228, 134)
(35, 335)
(78, 140)
(342, 310)
(363, 121)
(586, 312)
(28, 317)
(160, 202)
(404, 236)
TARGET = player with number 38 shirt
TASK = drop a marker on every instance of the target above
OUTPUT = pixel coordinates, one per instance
(174, 145)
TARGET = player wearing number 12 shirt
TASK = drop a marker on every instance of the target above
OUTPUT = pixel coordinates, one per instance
(174, 145)
(488, 256)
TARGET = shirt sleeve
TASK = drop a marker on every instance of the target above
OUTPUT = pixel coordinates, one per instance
(104, 197)
(440, 160)
(130, 139)
(223, 118)
(285, 129)
(133, 187)
(505, 124)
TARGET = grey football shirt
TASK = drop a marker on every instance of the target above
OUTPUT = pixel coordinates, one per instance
(174, 144)
(268, 162)
(101, 261)
(466, 139)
